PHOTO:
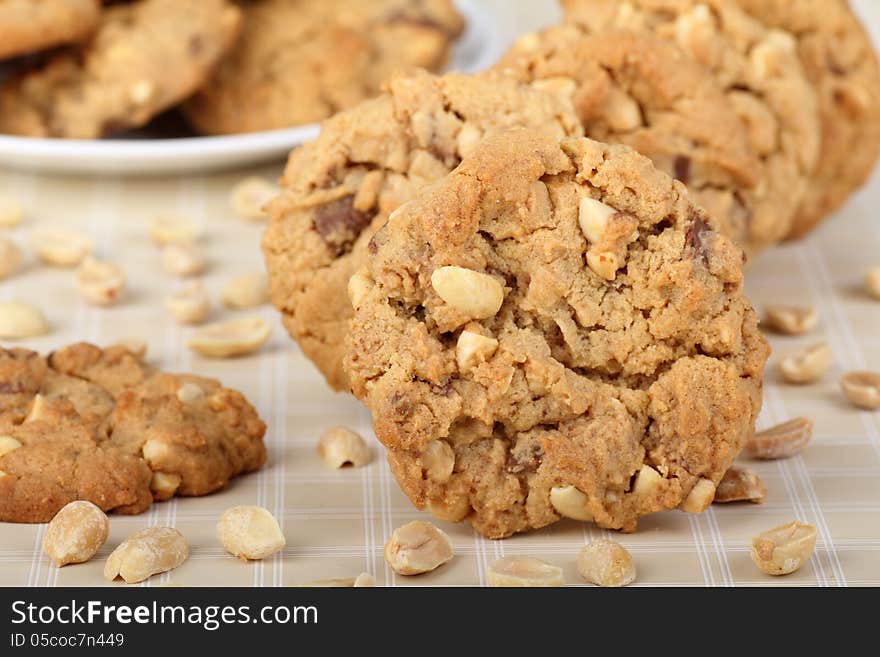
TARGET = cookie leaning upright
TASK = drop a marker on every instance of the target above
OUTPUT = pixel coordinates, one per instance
(842, 65)
(101, 425)
(554, 329)
(764, 84)
(301, 61)
(340, 188)
(145, 57)
(31, 25)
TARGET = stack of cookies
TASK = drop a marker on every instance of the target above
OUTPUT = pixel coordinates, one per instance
(86, 69)
(533, 276)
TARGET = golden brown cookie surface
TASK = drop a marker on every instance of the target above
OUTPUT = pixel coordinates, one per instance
(101, 425)
(554, 329)
(301, 61)
(341, 187)
(31, 25)
(145, 57)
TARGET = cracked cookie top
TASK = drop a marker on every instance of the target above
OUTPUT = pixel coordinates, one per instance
(633, 87)
(301, 61)
(554, 329)
(101, 425)
(30, 25)
(145, 57)
(340, 188)
(842, 65)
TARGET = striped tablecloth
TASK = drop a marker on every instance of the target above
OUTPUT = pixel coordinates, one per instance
(336, 522)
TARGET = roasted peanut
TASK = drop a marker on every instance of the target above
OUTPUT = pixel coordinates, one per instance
(473, 293)
(862, 389)
(183, 260)
(61, 248)
(250, 532)
(361, 581)
(740, 485)
(438, 460)
(700, 497)
(807, 365)
(784, 549)
(146, 553)
(569, 502)
(164, 485)
(518, 571)
(233, 338)
(11, 212)
(19, 320)
(340, 447)
(189, 304)
(417, 547)
(10, 258)
(872, 282)
(606, 563)
(248, 291)
(791, 320)
(473, 349)
(250, 196)
(168, 229)
(781, 441)
(101, 283)
(8, 444)
(76, 533)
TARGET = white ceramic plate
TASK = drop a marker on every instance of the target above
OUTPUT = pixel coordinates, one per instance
(479, 47)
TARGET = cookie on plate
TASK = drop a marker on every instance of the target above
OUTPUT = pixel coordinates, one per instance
(300, 61)
(31, 25)
(555, 330)
(145, 57)
(341, 187)
(763, 81)
(841, 63)
(101, 425)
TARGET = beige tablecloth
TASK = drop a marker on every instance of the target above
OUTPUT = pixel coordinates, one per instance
(336, 522)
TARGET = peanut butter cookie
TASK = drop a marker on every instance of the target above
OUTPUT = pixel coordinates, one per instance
(554, 329)
(101, 425)
(340, 188)
(30, 25)
(301, 61)
(842, 65)
(764, 83)
(145, 57)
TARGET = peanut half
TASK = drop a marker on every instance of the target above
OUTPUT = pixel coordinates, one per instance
(76, 533)
(146, 553)
(417, 547)
(340, 447)
(519, 571)
(569, 502)
(862, 389)
(473, 293)
(780, 442)
(11, 212)
(791, 320)
(10, 258)
(189, 304)
(100, 283)
(237, 337)
(807, 365)
(700, 497)
(183, 260)
(740, 485)
(19, 320)
(250, 196)
(247, 291)
(61, 248)
(784, 549)
(872, 282)
(606, 563)
(250, 532)
(363, 580)
(168, 229)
